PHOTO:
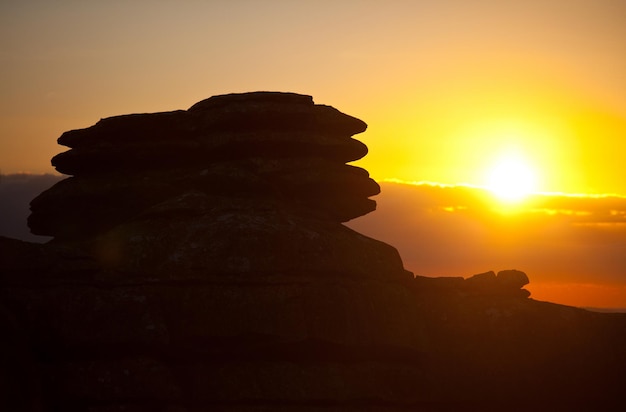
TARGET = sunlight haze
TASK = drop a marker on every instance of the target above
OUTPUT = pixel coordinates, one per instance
(432, 79)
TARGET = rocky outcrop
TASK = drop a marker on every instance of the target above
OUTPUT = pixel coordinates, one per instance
(506, 283)
(256, 145)
(242, 175)
(199, 263)
(208, 235)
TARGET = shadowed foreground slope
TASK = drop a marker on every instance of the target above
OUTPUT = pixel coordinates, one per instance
(199, 263)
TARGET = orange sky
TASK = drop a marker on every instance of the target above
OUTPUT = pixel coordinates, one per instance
(446, 87)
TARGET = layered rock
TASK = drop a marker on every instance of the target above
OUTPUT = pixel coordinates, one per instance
(221, 186)
(211, 234)
(199, 263)
(260, 145)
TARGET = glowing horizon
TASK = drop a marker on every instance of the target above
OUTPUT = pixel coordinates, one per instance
(486, 188)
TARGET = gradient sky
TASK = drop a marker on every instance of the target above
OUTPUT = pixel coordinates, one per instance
(445, 86)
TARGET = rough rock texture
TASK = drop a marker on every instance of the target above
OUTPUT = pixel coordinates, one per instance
(199, 263)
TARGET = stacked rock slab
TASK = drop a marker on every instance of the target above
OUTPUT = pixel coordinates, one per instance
(255, 173)
(199, 263)
(261, 145)
(207, 263)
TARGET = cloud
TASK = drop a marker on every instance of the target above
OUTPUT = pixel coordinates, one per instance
(16, 192)
(443, 230)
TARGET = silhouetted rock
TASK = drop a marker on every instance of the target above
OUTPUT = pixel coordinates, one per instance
(512, 279)
(202, 235)
(506, 283)
(221, 128)
(261, 145)
(229, 237)
(199, 263)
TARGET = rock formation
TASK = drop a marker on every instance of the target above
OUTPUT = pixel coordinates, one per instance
(216, 232)
(199, 263)
(507, 283)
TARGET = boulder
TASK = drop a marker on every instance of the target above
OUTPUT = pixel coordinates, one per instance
(512, 279)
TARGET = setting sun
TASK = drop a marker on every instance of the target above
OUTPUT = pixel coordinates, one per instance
(511, 178)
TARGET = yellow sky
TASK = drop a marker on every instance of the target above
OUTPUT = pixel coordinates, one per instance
(445, 86)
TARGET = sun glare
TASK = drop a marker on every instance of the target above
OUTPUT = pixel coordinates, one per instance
(511, 179)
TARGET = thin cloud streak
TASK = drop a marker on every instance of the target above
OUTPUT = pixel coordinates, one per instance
(600, 208)
(467, 185)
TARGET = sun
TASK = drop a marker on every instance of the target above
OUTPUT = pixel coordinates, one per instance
(511, 178)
